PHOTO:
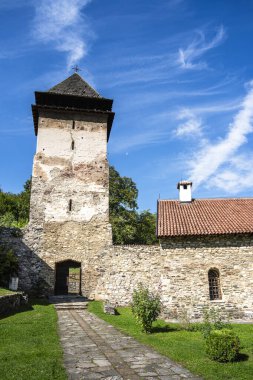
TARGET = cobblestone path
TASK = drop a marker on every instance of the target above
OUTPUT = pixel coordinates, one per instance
(93, 349)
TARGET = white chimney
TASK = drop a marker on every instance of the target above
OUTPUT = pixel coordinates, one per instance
(185, 191)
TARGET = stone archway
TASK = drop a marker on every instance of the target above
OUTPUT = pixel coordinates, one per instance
(68, 277)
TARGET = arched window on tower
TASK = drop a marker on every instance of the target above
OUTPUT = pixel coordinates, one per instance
(214, 284)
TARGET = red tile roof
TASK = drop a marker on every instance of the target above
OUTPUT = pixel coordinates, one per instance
(205, 217)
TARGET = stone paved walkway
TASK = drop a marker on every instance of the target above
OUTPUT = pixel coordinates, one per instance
(93, 349)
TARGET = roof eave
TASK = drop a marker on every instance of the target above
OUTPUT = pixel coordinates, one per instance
(161, 236)
(36, 108)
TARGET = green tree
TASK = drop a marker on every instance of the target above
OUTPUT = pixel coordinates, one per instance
(24, 202)
(123, 192)
(14, 208)
(128, 226)
(146, 228)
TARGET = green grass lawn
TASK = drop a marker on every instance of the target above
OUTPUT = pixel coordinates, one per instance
(29, 344)
(5, 292)
(187, 348)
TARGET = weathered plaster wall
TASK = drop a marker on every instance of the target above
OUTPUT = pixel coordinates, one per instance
(178, 271)
(70, 164)
(62, 172)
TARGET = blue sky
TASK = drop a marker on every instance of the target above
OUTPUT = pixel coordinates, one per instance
(180, 73)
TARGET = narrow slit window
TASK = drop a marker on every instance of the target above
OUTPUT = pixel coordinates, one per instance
(73, 145)
(73, 124)
(70, 205)
(214, 284)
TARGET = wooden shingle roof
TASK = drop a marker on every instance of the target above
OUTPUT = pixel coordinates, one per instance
(74, 85)
(73, 95)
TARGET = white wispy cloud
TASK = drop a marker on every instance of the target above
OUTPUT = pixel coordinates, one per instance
(192, 117)
(188, 58)
(61, 23)
(237, 177)
(191, 125)
(209, 161)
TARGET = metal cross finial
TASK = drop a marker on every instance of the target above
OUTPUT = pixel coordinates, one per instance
(76, 68)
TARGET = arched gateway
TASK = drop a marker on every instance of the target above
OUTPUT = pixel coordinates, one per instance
(67, 277)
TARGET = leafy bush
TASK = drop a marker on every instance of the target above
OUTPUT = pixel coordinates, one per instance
(186, 323)
(213, 321)
(145, 307)
(8, 265)
(7, 219)
(222, 345)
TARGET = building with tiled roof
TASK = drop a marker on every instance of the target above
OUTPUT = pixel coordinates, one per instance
(204, 258)
(210, 246)
(205, 217)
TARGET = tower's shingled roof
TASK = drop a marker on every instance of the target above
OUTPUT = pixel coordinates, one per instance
(205, 217)
(75, 85)
(73, 95)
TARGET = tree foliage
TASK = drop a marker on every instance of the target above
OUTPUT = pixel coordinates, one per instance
(128, 225)
(14, 208)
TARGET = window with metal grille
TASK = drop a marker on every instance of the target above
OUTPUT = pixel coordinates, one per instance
(214, 284)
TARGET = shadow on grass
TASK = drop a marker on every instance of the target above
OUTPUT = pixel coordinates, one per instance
(242, 358)
(39, 301)
(25, 307)
(163, 329)
(21, 309)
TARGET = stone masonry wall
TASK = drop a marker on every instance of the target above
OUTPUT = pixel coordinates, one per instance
(39, 250)
(178, 271)
(80, 242)
(25, 244)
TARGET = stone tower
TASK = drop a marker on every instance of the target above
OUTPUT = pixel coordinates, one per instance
(70, 182)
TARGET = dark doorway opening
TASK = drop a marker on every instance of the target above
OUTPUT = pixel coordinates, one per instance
(68, 277)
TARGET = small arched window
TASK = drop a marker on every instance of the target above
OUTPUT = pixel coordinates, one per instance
(214, 284)
(73, 145)
(70, 205)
